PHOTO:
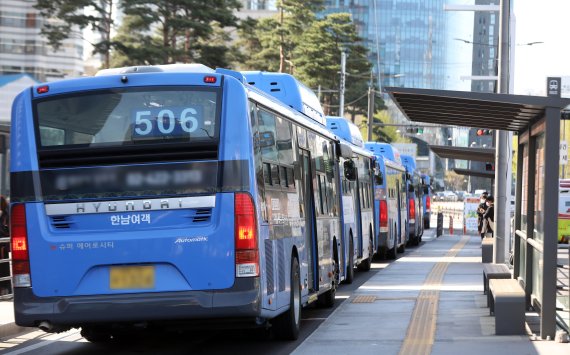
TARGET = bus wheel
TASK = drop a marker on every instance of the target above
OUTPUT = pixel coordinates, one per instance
(416, 241)
(326, 300)
(367, 263)
(402, 248)
(288, 324)
(350, 267)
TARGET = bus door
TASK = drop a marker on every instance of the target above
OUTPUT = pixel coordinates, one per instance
(358, 215)
(398, 239)
(308, 178)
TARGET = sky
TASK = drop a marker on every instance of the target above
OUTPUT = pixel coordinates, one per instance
(545, 21)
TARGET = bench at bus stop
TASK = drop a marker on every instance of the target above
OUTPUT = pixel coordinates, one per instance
(507, 302)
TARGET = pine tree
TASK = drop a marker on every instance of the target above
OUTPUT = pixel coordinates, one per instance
(179, 30)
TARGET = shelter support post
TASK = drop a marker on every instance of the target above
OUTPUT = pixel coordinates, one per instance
(518, 211)
(550, 220)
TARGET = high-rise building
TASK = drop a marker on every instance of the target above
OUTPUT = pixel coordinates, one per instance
(406, 39)
(24, 50)
(406, 43)
(484, 63)
(257, 9)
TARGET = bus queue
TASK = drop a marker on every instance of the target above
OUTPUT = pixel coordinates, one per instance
(146, 195)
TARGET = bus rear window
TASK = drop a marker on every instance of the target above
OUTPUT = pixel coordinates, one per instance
(126, 117)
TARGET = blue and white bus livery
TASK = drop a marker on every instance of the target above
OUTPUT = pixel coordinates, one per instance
(415, 200)
(170, 193)
(357, 197)
(389, 200)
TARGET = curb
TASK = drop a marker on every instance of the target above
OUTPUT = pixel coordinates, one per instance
(11, 329)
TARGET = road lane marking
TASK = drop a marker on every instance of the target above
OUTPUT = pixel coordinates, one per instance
(421, 330)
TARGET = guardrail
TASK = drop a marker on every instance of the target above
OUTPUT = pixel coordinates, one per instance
(6, 290)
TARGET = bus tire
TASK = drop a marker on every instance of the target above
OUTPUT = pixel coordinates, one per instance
(416, 241)
(350, 267)
(367, 263)
(288, 324)
(327, 299)
(402, 248)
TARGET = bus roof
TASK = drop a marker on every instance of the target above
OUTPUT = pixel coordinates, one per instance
(345, 129)
(385, 150)
(288, 90)
(409, 162)
(178, 68)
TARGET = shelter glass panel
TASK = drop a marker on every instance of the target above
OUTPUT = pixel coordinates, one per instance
(537, 269)
(524, 197)
(539, 190)
(522, 258)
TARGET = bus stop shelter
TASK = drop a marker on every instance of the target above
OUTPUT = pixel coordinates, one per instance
(486, 155)
(536, 121)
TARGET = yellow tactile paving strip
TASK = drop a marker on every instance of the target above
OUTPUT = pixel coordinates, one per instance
(421, 331)
(364, 299)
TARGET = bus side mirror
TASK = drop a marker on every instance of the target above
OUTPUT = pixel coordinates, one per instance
(410, 188)
(345, 151)
(349, 170)
(378, 178)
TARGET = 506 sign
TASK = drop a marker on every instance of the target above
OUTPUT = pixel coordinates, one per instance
(166, 121)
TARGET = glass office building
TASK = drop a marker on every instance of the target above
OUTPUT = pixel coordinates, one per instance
(406, 39)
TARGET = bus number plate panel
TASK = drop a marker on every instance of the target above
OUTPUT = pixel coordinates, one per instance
(131, 277)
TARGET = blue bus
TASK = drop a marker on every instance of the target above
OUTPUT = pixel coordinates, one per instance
(172, 193)
(390, 200)
(426, 199)
(415, 203)
(357, 198)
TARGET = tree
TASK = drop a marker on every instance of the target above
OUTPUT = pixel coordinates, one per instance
(317, 61)
(63, 15)
(259, 45)
(301, 15)
(385, 134)
(179, 30)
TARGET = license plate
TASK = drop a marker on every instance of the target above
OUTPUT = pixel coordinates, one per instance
(131, 277)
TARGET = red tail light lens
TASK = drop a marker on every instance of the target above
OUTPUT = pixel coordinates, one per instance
(210, 79)
(428, 203)
(19, 241)
(412, 208)
(42, 89)
(247, 252)
(383, 213)
(19, 233)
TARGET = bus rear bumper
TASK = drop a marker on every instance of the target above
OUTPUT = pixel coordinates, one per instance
(241, 301)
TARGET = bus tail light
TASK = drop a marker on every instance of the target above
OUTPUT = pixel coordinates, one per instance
(412, 210)
(428, 203)
(19, 241)
(383, 214)
(247, 251)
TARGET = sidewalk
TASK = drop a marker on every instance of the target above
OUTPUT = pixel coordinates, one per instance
(428, 302)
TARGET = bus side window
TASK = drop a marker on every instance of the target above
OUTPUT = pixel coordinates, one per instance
(267, 140)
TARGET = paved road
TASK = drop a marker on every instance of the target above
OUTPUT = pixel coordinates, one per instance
(196, 342)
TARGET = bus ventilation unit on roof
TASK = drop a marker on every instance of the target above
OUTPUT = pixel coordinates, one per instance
(288, 90)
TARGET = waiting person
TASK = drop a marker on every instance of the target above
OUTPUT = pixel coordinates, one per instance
(4, 218)
(480, 212)
(489, 217)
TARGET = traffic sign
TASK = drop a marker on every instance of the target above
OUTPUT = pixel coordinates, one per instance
(563, 153)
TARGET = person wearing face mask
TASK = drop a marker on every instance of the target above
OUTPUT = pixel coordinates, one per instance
(489, 217)
(480, 212)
